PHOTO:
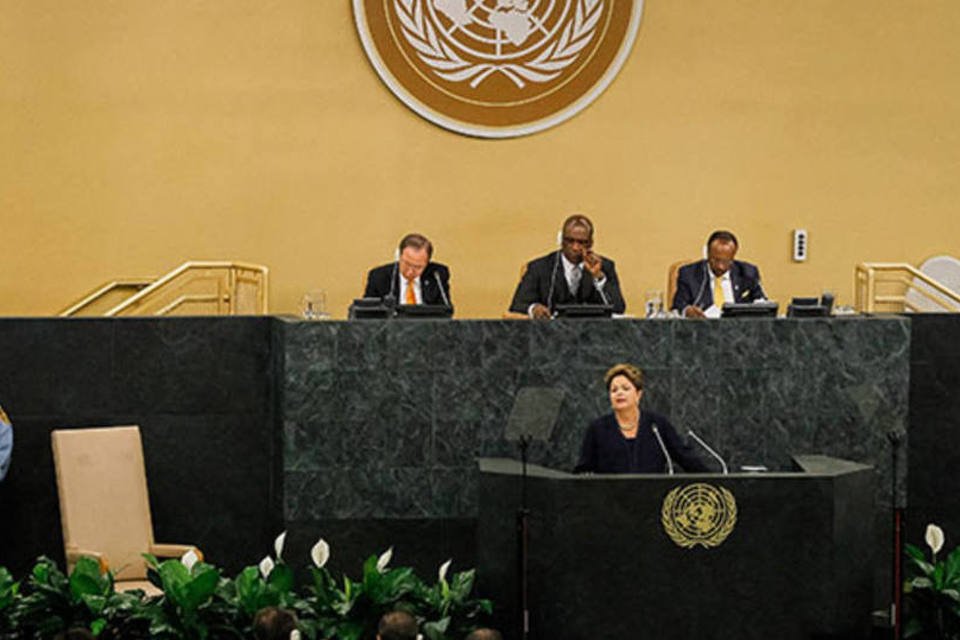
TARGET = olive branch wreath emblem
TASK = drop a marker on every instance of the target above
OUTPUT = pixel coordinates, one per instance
(712, 538)
(449, 65)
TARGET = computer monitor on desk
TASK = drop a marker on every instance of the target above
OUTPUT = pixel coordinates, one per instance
(424, 311)
(369, 309)
(583, 310)
(750, 310)
(810, 307)
(381, 309)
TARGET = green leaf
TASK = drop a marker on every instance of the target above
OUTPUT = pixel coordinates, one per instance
(951, 576)
(97, 626)
(912, 628)
(173, 573)
(396, 583)
(41, 571)
(925, 567)
(939, 571)
(95, 603)
(174, 577)
(350, 631)
(952, 593)
(281, 578)
(83, 583)
(437, 630)
(370, 569)
(8, 588)
(201, 587)
(249, 584)
(914, 551)
(462, 585)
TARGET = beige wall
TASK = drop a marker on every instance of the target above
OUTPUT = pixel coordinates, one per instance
(137, 134)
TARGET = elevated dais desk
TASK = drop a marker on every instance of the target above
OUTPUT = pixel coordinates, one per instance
(773, 555)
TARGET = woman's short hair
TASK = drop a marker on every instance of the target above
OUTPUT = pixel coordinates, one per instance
(630, 372)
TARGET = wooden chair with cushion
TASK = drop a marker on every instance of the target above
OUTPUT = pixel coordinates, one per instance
(104, 505)
(672, 274)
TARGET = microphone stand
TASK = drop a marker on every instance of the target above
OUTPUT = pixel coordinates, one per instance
(896, 607)
(523, 537)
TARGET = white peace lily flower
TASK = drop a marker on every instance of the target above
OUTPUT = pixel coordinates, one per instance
(384, 560)
(442, 574)
(189, 559)
(934, 538)
(266, 566)
(278, 544)
(295, 634)
(320, 553)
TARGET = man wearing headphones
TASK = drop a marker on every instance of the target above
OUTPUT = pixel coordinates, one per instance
(703, 287)
(572, 275)
(412, 279)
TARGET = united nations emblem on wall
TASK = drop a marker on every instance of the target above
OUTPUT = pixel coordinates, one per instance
(497, 68)
(699, 514)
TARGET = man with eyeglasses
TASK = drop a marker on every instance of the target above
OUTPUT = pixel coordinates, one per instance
(703, 287)
(572, 275)
(413, 278)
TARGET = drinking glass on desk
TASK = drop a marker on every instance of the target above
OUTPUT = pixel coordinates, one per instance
(653, 307)
(313, 305)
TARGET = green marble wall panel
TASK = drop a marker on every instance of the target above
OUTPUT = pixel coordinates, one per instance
(383, 419)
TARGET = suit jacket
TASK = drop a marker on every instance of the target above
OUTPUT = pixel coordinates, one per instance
(379, 283)
(693, 285)
(605, 450)
(536, 281)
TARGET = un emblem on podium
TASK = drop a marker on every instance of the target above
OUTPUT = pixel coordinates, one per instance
(699, 514)
(497, 68)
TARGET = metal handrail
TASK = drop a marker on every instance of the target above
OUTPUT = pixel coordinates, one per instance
(102, 291)
(228, 297)
(869, 274)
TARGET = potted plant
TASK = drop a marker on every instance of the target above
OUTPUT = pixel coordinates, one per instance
(932, 590)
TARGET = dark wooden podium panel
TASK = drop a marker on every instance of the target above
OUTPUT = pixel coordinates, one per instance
(796, 564)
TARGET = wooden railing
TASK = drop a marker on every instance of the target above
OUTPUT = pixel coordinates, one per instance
(883, 286)
(193, 288)
(106, 296)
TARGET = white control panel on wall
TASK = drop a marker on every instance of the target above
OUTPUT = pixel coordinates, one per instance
(799, 245)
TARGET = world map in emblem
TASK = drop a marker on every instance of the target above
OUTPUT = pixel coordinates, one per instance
(497, 68)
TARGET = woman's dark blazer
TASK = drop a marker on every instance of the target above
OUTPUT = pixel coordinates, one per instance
(605, 450)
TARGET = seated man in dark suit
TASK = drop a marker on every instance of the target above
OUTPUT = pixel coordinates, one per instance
(412, 279)
(572, 275)
(703, 287)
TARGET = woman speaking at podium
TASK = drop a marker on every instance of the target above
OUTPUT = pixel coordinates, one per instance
(629, 440)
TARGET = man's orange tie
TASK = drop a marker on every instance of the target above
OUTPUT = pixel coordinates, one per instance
(411, 294)
(718, 293)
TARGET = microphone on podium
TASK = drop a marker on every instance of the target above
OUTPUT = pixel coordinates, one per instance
(723, 465)
(663, 448)
(446, 301)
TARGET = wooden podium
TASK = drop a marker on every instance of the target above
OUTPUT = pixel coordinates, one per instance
(765, 555)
